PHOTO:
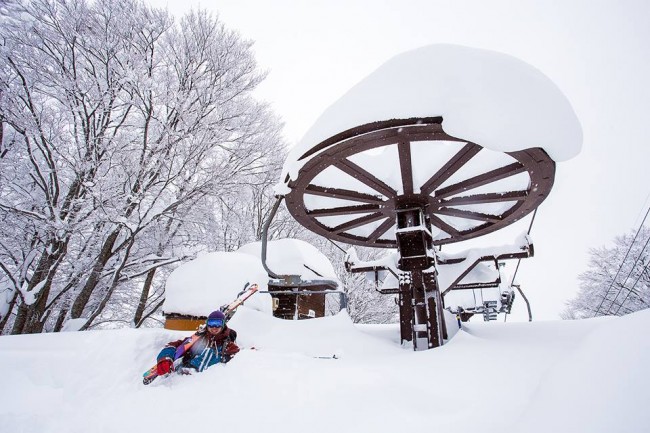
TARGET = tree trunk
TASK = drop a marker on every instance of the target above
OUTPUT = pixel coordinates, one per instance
(21, 319)
(114, 283)
(29, 317)
(95, 274)
(37, 313)
(150, 313)
(59, 321)
(5, 319)
(144, 295)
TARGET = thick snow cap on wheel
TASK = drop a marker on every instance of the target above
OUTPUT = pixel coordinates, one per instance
(489, 98)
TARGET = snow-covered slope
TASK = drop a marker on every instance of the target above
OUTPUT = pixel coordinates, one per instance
(573, 376)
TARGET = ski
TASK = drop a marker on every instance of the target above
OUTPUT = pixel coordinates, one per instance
(228, 310)
(151, 374)
(326, 357)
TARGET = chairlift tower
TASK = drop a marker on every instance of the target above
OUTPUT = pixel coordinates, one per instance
(406, 183)
(407, 219)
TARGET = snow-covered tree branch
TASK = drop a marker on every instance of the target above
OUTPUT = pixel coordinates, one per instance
(122, 132)
(617, 281)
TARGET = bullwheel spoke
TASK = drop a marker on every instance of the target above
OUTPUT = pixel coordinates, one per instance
(358, 222)
(383, 228)
(452, 166)
(344, 210)
(344, 194)
(478, 216)
(437, 222)
(362, 175)
(406, 168)
(482, 179)
(493, 197)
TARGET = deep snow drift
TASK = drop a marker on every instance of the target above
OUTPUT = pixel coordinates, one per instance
(572, 376)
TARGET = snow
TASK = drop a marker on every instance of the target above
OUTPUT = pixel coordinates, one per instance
(6, 294)
(202, 285)
(30, 295)
(489, 98)
(448, 273)
(579, 376)
(72, 325)
(293, 257)
(191, 288)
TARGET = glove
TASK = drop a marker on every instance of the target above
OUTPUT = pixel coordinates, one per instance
(164, 366)
(231, 349)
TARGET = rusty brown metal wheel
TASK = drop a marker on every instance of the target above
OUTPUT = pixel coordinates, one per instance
(415, 164)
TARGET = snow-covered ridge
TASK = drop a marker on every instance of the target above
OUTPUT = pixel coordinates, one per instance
(489, 98)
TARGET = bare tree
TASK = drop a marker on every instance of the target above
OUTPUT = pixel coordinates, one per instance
(617, 281)
(121, 130)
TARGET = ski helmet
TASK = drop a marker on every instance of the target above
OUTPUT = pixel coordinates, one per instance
(216, 319)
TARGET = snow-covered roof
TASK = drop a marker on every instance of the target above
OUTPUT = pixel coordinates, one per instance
(202, 285)
(489, 98)
(292, 257)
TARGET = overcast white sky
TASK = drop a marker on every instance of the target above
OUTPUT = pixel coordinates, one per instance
(596, 51)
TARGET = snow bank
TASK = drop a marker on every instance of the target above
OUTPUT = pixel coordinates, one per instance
(490, 98)
(201, 286)
(579, 376)
(600, 385)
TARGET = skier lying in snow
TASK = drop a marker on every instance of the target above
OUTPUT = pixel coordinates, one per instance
(215, 342)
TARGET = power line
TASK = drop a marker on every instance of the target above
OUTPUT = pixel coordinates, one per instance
(645, 202)
(627, 277)
(622, 263)
(632, 288)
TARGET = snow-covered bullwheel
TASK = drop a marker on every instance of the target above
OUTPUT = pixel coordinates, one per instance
(439, 145)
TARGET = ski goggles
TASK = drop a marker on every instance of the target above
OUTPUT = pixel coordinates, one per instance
(215, 323)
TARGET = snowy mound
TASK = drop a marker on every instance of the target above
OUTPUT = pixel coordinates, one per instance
(575, 376)
(489, 98)
(201, 286)
(293, 257)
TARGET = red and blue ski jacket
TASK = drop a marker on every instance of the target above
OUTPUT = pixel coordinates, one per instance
(202, 349)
